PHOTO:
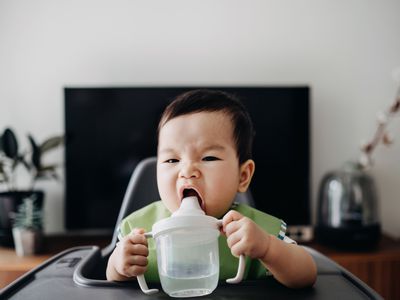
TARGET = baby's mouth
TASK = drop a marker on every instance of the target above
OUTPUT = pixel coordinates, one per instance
(192, 192)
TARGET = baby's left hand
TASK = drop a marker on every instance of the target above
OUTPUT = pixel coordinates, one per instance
(244, 236)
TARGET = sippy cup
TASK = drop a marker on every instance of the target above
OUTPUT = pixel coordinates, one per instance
(187, 252)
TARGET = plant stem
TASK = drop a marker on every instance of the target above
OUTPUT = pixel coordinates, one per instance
(381, 130)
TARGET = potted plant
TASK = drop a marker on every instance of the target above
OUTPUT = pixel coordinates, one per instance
(14, 163)
(27, 227)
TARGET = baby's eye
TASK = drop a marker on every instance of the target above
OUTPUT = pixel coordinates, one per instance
(210, 158)
(171, 161)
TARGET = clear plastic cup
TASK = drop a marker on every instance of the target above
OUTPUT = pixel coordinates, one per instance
(188, 261)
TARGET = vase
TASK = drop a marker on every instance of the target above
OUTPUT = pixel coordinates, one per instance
(9, 202)
(347, 215)
(27, 241)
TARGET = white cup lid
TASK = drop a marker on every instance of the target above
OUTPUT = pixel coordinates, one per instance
(188, 215)
(189, 207)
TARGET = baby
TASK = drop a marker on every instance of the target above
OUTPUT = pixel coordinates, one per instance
(204, 149)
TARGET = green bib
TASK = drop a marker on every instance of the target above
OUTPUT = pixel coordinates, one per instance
(147, 216)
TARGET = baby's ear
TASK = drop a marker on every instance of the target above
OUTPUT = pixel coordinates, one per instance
(246, 173)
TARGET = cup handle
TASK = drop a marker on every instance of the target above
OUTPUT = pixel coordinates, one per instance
(240, 272)
(140, 278)
(242, 265)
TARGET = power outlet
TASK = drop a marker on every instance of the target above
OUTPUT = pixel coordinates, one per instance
(301, 233)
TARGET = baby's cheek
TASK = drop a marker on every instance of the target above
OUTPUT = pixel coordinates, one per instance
(172, 206)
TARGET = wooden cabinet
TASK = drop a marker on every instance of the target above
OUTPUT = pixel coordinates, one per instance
(379, 268)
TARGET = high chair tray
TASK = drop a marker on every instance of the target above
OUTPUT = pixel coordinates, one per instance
(78, 273)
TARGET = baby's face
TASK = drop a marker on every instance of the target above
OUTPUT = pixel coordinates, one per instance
(197, 155)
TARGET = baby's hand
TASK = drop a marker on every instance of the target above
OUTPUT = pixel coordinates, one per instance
(244, 236)
(131, 254)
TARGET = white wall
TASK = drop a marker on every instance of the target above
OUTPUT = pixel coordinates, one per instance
(345, 50)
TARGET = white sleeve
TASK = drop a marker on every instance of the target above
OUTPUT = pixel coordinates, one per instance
(288, 240)
(282, 234)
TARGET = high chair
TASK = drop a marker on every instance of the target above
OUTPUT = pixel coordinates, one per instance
(79, 272)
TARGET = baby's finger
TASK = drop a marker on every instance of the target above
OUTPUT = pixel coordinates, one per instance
(138, 260)
(238, 248)
(232, 215)
(134, 270)
(137, 231)
(127, 248)
(137, 239)
(139, 249)
(231, 227)
(233, 239)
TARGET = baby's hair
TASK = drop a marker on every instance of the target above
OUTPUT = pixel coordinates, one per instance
(204, 100)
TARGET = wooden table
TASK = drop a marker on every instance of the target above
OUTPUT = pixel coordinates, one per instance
(13, 266)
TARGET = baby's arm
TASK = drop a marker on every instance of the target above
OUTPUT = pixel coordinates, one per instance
(289, 263)
(129, 258)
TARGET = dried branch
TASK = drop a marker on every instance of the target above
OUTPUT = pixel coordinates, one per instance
(381, 134)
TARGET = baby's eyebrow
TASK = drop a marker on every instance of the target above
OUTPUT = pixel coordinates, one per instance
(166, 150)
(206, 148)
(214, 147)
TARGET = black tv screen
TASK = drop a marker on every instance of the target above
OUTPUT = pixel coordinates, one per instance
(109, 130)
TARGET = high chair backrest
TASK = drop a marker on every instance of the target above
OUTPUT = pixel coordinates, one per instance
(142, 190)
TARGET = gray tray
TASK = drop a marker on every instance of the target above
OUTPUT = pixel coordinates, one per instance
(79, 273)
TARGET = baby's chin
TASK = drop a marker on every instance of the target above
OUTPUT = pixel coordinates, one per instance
(216, 213)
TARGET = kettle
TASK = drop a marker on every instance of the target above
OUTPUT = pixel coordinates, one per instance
(187, 252)
(347, 214)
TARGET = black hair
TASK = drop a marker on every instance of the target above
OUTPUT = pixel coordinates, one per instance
(204, 100)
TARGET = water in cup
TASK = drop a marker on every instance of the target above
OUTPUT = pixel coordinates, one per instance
(189, 263)
(190, 281)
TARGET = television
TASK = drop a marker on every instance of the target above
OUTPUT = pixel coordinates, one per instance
(110, 130)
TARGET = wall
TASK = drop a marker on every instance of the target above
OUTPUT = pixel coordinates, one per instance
(345, 50)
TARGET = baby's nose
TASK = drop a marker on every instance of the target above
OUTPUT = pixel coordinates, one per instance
(189, 170)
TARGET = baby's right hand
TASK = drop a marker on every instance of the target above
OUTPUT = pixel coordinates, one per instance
(131, 254)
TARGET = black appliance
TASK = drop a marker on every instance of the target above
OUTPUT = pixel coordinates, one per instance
(348, 210)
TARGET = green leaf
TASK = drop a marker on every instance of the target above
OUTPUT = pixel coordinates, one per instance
(51, 143)
(46, 169)
(9, 143)
(47, 172)
(28, 215)
(3, 173)
(36, 153)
